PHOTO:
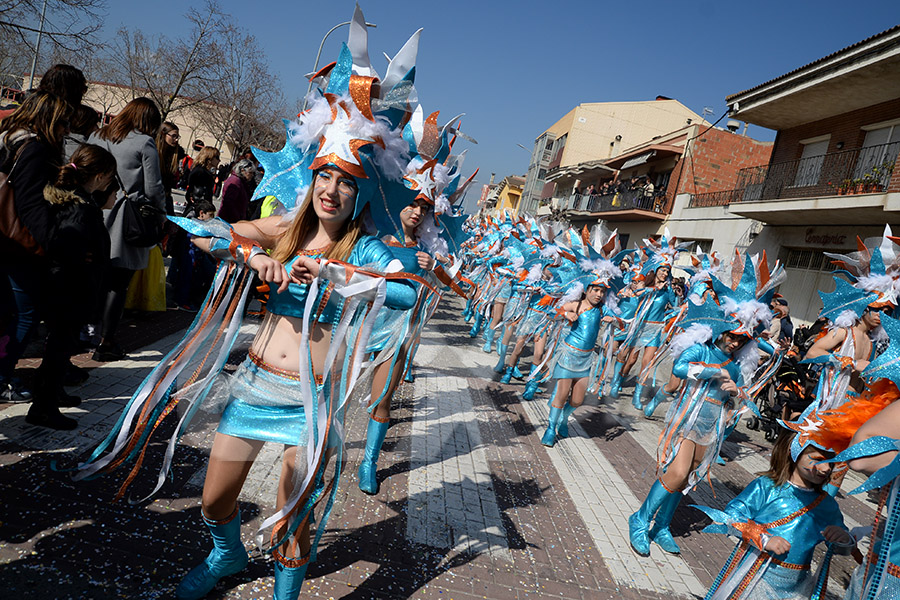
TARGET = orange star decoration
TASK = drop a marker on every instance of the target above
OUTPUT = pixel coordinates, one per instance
(752, 531)
(807, 429)
(340, 147)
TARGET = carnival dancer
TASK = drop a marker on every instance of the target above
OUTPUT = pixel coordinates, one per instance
(781, 517)
(536, 286)
(655, 298)
(717, 357)
(345, 151)
(575, 356)
(704, 266)
(416, 242)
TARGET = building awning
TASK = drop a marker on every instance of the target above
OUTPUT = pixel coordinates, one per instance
(638, 160)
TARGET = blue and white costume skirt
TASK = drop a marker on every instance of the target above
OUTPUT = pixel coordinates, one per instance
(504, 293)
(572, 362)
(530, 323)
(265, 403)
(387, 325)
(705, 422)
(651, 335)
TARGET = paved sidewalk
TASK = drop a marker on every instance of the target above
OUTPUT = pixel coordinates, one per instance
(471, 504)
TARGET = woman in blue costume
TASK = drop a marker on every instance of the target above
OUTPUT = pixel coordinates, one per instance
(536, 286)
(575, 353)
(716, 357)
(780, 517)
(390, 323)
(347, 153)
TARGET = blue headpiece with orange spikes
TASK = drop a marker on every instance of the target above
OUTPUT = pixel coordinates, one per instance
(354, 122)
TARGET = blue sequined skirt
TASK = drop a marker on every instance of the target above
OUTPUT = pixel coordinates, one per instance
(572, 362)
(264, 405)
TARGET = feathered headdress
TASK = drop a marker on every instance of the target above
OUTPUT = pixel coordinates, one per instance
(874, 268)
(746, 301)
(661, 253)
(354, 122)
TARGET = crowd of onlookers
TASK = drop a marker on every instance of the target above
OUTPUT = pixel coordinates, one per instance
(82, 217)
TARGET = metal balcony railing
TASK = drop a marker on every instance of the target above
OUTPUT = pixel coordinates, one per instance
(857, 171)
(722, 198)
(627, 200)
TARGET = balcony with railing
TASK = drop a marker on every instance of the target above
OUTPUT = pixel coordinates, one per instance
(816, 186)
(629, 205)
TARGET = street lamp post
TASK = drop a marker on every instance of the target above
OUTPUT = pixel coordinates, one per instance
(319, 55)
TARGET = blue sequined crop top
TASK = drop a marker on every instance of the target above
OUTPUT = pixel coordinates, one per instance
(369, 252)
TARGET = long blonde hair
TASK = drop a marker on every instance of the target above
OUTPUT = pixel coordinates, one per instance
(305, 224)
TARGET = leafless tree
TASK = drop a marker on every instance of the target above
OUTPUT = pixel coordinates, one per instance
(248, 100)
(70, 24)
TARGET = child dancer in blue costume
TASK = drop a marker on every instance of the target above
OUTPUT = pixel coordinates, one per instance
(574, 354)
(396, 333)
(346, 153)
(781, 517)
(716, 356)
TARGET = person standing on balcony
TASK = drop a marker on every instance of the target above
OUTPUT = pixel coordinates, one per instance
(648, 191)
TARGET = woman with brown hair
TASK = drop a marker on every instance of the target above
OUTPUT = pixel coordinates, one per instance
(202, 179)
(169, 155)
(129, 137)
(77, 255)
(30, 152)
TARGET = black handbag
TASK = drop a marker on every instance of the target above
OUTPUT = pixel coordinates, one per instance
(142, 223)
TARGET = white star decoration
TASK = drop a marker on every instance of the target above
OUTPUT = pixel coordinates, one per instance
(342, 143)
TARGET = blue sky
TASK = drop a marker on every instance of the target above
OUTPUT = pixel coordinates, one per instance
(515, 67)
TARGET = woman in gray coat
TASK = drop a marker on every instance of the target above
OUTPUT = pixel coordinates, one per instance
(129, 137)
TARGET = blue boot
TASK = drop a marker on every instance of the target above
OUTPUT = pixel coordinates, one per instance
(636, 397)
(660, 532)
(616, 385)
(500, 339)
(507, 375)
(410, 376)
(467, 312)
(517, 373)
(531, 388)
(500, 367)
(476, 326)
(289, 580)
(489, 339)
(227, 558)
(549, 438)
(563, 429)
(368, 467)
(639, 522)
(658, 397)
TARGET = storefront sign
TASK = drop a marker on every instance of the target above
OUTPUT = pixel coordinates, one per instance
(824, 239)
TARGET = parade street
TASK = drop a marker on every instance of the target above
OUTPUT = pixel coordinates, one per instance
(471, 504)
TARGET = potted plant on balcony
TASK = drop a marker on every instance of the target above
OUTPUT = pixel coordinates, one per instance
(845, 187)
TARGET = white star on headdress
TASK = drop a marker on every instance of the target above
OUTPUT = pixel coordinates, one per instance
(340, 144)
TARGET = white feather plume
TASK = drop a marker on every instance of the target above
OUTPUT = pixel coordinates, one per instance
(572, 294)
(748, 360)
(534, 273)
(848, 318)
(750, 312)
(695, 334)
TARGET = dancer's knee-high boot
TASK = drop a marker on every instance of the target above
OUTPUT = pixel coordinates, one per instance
(289, 579)
(227, 558)
(550, 435)
(476, 326)
(660, 532)
(467, 312)
(660, 396)
(531, 388)
(639, 522)
(636, 397)
(501, 364)
(368, 468)
(563, 429)
(721, 461)
(507, 375)
(489, 339)
(616, 385)
(500, 339)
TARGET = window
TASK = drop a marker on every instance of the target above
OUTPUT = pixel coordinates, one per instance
(541, 174)
(878, 154)
(810, 166)
(808, 260)
(549, 145)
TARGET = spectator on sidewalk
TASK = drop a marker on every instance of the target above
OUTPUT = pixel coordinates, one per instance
(168, 148)
(202, 180)
(194, 269)
(129, 137)
(78, 255)
(64, 81)
(235, 193)
(31, 141)
(85, 121)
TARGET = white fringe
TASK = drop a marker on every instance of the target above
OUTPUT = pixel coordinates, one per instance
(695, 334)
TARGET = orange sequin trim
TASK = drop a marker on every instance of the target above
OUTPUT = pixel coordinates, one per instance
(292, 375)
